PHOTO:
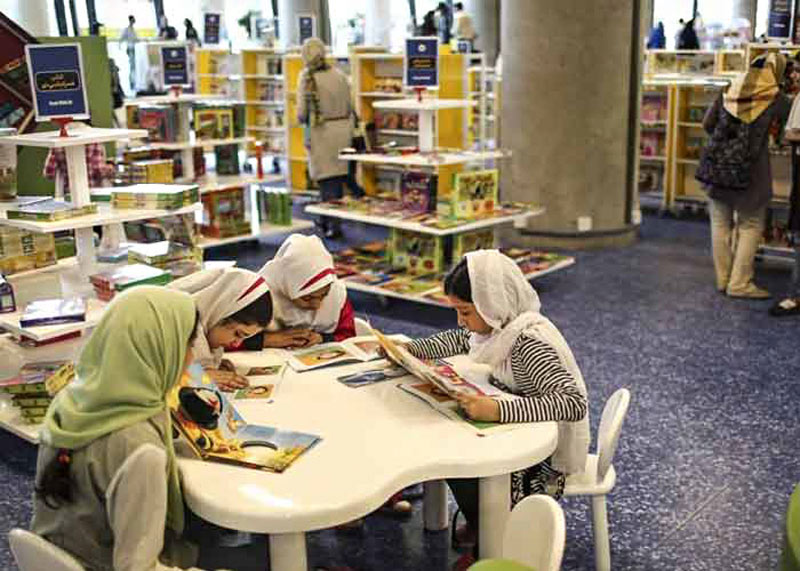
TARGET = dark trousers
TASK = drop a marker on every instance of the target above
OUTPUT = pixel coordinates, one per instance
(465, 491)
(332, 188)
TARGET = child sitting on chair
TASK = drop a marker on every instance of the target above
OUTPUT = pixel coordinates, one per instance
(501, 326)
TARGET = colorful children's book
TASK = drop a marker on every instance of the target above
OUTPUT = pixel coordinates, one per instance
(155, 196)
(418, 191)
(216, 432)
(264, 371)
(471, 241)
(107, 283)
(417, 253)
(53, 311)
(351, 350)
(50, 211)
(371, 376)
(474, 194)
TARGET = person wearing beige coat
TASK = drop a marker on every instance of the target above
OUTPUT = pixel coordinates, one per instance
(324, 106)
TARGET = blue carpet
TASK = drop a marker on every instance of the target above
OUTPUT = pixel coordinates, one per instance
(708, 455)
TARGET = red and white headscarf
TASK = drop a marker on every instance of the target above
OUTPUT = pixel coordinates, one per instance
(301, 267)
(218, 294)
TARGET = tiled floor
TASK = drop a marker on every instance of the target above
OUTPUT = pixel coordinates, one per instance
(709, 452)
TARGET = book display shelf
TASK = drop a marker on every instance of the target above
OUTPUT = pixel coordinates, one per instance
(483, 89)
(436, 209)
(231, 189)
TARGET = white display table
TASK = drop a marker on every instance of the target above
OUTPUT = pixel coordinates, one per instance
(375, 441)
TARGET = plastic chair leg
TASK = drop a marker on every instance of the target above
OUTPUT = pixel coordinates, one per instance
(602, 547)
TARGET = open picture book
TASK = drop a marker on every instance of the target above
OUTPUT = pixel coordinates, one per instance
(439, 384)
(215, 431)
(353, 350)
(264, 371)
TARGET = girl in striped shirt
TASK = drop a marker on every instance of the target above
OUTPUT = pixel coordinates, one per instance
(501, 326)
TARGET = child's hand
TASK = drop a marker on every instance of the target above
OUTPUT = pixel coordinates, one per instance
(227, 380)
(287, 339)
(480, 408)
(312, 338)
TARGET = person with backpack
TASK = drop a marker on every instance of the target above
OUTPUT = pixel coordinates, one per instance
(735, 170)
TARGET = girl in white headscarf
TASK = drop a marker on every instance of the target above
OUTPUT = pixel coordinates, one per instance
(501, 326)
(234, 304)
(309, 302)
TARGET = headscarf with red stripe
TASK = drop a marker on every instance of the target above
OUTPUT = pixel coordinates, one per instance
(218, 294)
(301, 267)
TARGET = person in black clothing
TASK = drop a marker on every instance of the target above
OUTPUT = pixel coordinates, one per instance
(428, 27)
(191, 32)
(688, 40)
(445, 22)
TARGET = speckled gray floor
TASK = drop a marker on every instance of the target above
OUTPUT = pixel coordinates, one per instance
(708, 455)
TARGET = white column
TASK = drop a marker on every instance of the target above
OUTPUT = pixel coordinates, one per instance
(287, 552)
(378, 23)
(434, 508)
(34, 17)
(494, 505)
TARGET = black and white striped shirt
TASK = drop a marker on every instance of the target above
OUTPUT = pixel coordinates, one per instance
(548, 389)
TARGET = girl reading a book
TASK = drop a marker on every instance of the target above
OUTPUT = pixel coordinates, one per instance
(234, 304)
(501, 326)
(310, 303)
(107, 488)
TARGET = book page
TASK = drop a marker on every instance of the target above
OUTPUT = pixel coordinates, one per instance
(323, 355)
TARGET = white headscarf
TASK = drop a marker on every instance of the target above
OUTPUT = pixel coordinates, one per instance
(509, 304)
(303, 266)
(218, 294)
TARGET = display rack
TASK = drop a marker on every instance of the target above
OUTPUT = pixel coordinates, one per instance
(219, 72)
(263, 81)
(483, 88)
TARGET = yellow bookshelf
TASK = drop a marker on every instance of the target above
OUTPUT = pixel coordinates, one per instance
(218, 72)
(263, 92)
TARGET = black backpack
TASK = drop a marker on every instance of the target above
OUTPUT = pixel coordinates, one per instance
(725, 160)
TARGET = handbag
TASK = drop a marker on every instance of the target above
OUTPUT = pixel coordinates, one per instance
(725, 161)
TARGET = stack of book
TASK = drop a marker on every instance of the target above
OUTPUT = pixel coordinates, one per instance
(34, 387)
(213, 121)
(176, 258)
(53, 312)
(21, 250)
(50, 211)
(108, 284)
(153, 171)
(275, 206)
(225, 212)
(155, 196)
(227, 159)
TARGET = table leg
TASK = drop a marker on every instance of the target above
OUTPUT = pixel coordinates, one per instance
(434, 507)
(287, 552)
(494, 505)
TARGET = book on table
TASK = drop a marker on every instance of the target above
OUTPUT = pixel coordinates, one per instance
(53, 312)
(155, 196)
(216, 431)
(33, 388)
(353, 350)
(264, 371)
(50, 211)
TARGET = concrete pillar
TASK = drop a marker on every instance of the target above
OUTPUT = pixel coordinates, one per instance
(288, 11)
(378, 23)
(570, 111)
(34, 17)
(486, 16)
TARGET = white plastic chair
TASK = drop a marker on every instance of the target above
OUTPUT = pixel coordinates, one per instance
(599, 477)
(535, 533)
(34, 553)
(362, 327)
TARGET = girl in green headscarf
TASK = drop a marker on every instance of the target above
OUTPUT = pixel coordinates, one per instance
(107, 484)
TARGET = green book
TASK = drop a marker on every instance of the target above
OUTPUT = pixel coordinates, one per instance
(51, 211)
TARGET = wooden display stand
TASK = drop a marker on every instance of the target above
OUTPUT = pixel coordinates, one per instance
(218, 72)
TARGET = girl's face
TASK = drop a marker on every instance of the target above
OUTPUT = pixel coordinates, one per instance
(230, 334)
(468, 316)
(312, 301)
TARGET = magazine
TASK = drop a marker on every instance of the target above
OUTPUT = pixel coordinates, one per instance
(264, 370)
(351, 350)
(371, 376)
(218, 433)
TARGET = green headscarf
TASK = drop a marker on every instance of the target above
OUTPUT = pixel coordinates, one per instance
(133, 358)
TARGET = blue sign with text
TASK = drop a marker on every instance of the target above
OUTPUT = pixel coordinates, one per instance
(175, 65)
(211, 28)
(305, 27)
(422, 62)
(56, 73)
(779, 23)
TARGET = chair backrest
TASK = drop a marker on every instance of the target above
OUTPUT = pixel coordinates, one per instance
(610, 428)
(535, 533)
(34, 553)
(362, 327)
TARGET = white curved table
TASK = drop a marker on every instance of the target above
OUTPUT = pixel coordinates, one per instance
(375, 441)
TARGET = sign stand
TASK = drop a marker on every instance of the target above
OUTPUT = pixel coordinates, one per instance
(176, 90)
(420, 91)
(259, 160)
(62, 122)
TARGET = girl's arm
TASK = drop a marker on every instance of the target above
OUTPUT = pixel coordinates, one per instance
(550, 392)
(443, 344)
